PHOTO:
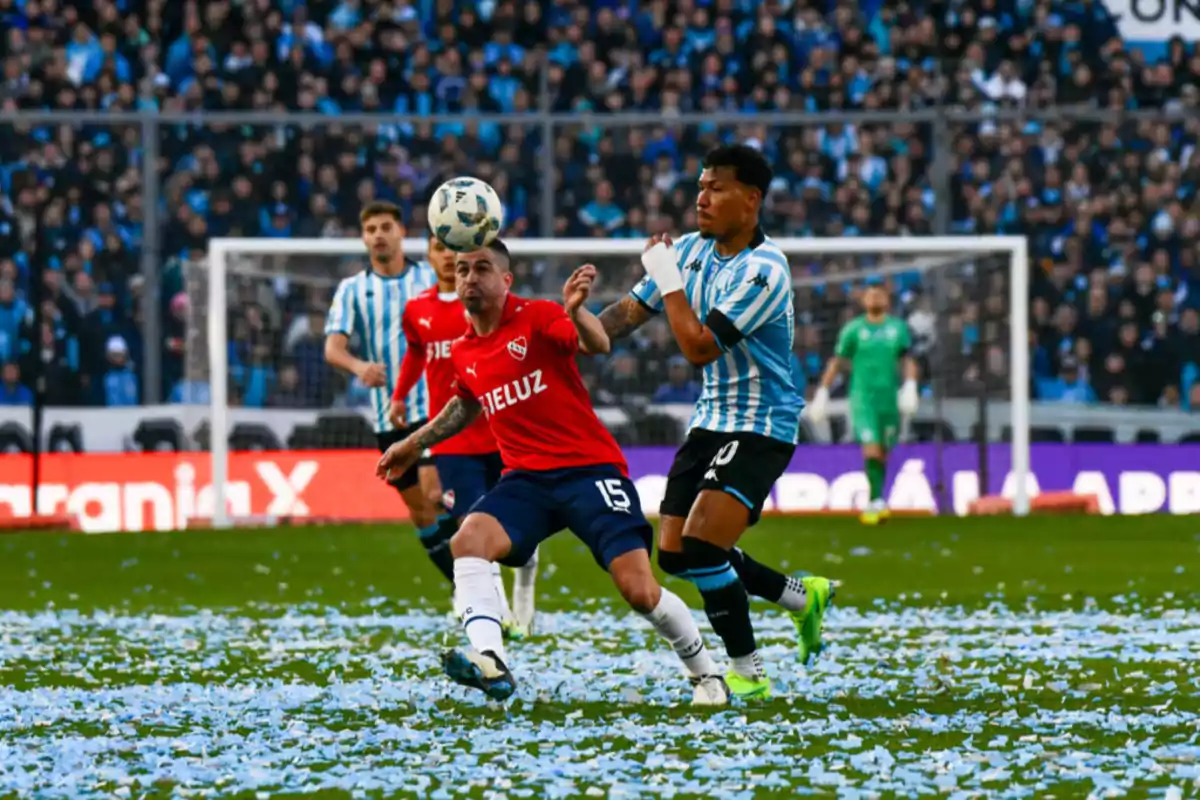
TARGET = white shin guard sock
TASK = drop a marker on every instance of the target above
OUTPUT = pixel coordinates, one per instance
(674, 622)
(478, 604)
(523, 596)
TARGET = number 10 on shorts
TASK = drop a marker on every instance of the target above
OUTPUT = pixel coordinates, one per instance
(615, 496)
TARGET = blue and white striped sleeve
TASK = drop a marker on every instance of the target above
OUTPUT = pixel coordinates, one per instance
(341, 316)
(646, 292)
(758, 295)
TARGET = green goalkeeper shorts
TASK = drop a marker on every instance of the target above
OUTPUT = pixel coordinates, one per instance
(872, 424)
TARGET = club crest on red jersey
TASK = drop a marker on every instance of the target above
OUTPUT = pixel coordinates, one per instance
(518, 348)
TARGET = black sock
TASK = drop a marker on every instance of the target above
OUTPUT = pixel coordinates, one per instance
(725, 600)
(672, 563)
(759, 579)
(436, 539)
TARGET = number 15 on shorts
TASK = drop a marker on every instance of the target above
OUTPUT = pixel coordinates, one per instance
(614, 494)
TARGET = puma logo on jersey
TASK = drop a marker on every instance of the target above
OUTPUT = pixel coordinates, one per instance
(425, 322)
(471, 371)
(513, 392)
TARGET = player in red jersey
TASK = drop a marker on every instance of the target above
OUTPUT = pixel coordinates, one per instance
(468, 464)
(563, 469)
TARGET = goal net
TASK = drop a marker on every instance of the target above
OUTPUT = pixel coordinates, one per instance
(292, 438)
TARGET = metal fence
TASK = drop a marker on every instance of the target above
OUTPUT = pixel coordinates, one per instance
(132, 159)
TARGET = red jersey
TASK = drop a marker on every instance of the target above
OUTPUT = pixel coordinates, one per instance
(431, 322)
(524, 375)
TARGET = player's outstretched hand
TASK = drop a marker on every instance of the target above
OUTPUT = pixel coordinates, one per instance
(578, 287)
(373, 375)
(397, 412)
(397, 459)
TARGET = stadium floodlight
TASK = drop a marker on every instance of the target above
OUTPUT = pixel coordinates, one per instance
(967, 298)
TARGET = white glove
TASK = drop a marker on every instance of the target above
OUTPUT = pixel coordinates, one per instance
(909, 399)
(817, 408)
(662, 266)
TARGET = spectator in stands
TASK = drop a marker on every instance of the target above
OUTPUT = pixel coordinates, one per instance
(12, 314)
(620, 385)
(1069, 386)
(680, 387)
(307, 354)
(287, 392)
(120, 379)
(256, 379)
(1114, 379)
(101, 324)
(175, 341)
(55, 357)
(12, 391)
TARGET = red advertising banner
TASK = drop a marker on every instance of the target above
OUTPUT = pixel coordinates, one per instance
(169, 491)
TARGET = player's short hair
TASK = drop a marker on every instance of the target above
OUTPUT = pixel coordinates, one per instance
(501, 249)
(377, 208)
(749, 165)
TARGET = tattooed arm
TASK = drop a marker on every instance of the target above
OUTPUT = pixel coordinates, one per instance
(455, 417)
(624, 317)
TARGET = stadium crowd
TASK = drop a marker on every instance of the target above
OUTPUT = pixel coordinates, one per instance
(1108, 208)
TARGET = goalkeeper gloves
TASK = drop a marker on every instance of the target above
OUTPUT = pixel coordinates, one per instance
(819, 405)
(662, 265)
(908, 399)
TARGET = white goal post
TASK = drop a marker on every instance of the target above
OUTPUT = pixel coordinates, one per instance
(963, 248)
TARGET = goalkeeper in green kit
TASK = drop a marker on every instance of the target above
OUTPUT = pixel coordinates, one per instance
(875, 346)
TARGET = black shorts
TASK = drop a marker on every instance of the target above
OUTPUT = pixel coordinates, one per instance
(743, 465)
(410, 477)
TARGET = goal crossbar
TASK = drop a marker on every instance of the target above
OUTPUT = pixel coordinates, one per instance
(956, 249)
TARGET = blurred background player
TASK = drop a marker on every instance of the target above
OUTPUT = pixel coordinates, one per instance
(875, 346)
(517, 366)
(469, 464)
(369, 305)
(744, 430)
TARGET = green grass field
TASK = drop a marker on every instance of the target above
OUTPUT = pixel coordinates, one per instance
(1048, 657)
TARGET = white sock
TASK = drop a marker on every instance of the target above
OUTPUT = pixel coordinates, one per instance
(674, 622)
(501, 592)
(794, 597)
(523, 592)
(750, 666)
(478, 604)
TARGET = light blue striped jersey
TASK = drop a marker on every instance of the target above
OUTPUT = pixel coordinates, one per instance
(750, 388)
(368, 307)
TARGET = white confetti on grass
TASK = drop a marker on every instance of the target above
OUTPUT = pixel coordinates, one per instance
(905, 701)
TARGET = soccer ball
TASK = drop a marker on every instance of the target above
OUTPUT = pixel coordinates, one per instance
(465, 214)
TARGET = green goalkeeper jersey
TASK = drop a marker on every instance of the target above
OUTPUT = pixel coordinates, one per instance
(874, 351)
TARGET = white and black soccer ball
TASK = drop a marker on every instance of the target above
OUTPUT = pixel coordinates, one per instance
(465, 214)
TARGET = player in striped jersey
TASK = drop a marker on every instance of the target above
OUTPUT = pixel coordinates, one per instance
(744, 430)
(369, 306)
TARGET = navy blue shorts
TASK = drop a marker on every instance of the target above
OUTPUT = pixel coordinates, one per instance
(597, 504)
(466, 479)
